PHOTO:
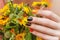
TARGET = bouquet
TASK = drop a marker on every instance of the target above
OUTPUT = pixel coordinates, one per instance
(13, 19)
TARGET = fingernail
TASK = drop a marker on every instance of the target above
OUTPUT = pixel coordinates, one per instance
(28, 24)
(31, 30)
(30, 19)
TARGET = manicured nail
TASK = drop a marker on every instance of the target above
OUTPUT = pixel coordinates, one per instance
(31, 30)
(28, 24)
(30, 19)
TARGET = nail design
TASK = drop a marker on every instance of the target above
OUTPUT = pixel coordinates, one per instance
(31, 30)
(28, 24)
(30, 19)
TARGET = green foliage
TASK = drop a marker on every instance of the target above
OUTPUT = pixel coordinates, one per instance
(14, 15)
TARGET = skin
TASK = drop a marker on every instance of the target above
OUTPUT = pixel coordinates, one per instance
(0, 37)
(48, 27)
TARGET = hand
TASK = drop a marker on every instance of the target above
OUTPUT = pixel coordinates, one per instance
(47, 27)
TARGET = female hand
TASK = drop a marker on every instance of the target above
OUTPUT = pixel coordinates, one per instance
(47, 27)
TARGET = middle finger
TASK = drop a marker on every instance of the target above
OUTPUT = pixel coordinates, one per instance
(44, 21)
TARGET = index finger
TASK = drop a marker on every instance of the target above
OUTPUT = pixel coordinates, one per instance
(49, 14)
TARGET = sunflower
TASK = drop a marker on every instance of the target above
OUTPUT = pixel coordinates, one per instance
(15, 5)
(20, 5)
(6, 7)
(36, 3)
(4, 20)
(42, 3)
(26, 9)
(23, 21)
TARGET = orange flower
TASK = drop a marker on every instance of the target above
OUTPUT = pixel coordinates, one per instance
(20, 36)
(12, 31)
(34, 11)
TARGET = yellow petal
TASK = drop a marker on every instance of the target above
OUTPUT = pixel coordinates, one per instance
(26, 9)
(15, 5)
(36, 3)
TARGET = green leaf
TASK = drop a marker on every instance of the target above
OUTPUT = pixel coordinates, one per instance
(21, 14)
(12, 37)
(28, 36)
(33, 37)
(16, 11)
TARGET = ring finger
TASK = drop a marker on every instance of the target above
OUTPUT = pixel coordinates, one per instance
(44, 29)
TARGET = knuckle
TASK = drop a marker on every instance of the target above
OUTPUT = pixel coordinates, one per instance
(49, 13)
